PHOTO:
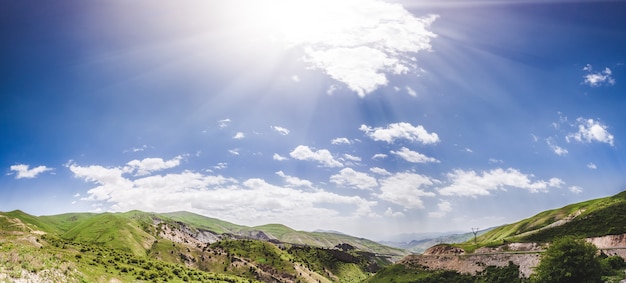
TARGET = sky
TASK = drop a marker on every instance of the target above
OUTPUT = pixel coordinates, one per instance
(374, 118)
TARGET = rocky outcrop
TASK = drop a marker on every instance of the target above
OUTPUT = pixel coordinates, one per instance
(444, 250)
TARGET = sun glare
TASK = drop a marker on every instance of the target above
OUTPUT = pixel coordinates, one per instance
(296, 22)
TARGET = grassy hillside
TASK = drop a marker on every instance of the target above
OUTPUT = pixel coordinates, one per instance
(598, 217)
(176, 247)
(203, 222)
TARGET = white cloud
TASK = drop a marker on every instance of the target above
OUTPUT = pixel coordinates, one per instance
(280, 130)
(351, 158)
(400, 131)
(575, 189)
(592, 166)
(295, 78)
(469, 183)
(358, 42)
(444, 207)
(224, 123)
(495, 161)
(347, 177)
(23, 171)
(149, 165)
(322, 156)
(379, 171)
(221, 165)
(411, 92)
(294, 181)
(278, 157)
(413, 157)
(390, 213)
(253, 201)
(340, 141)
(589, 131)
(379, 156)
(596, 79)
(239, 135)
(555, 148)
(234, 151)
(405, 189)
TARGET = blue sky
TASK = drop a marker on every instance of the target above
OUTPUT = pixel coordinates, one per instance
(368, 117)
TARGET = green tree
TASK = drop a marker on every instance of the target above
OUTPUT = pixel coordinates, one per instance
(569, 260)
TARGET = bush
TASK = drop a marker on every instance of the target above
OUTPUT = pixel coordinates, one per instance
(569, 260)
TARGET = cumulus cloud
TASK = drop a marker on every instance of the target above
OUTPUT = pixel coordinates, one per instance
(280, 130)
(413, 156)
(444, 207)
(596, 79)
(470, 183)
(149, 165)
(359, 43)
(24, 171)
(405, 189)
(555, 148)
(341, 141)
(400, 131)
(251, 201)
(590, 130)
(347, 177)
(322, 156)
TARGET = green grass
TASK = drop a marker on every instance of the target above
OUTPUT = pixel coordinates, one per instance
(203, 222)
(596, 217)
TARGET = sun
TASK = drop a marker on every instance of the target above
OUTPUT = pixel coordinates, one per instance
(295, 21)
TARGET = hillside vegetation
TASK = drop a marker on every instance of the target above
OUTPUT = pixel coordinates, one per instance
(177, 247)
(598, 217)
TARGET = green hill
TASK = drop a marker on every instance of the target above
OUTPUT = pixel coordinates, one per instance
(598, 217)
(177, 247)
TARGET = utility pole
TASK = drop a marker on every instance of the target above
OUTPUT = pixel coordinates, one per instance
(475, 231)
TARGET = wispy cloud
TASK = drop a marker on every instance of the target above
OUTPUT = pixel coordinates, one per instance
(24, 171)
(596, 79)
(280, 130)
(224, 123)
(400, 131)
(239, 135)
(555, 148)
(413, 156)
(279, 157)
(575, 189)
(443, 207)
(294, 181)
(341, 141)
(591, 165)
